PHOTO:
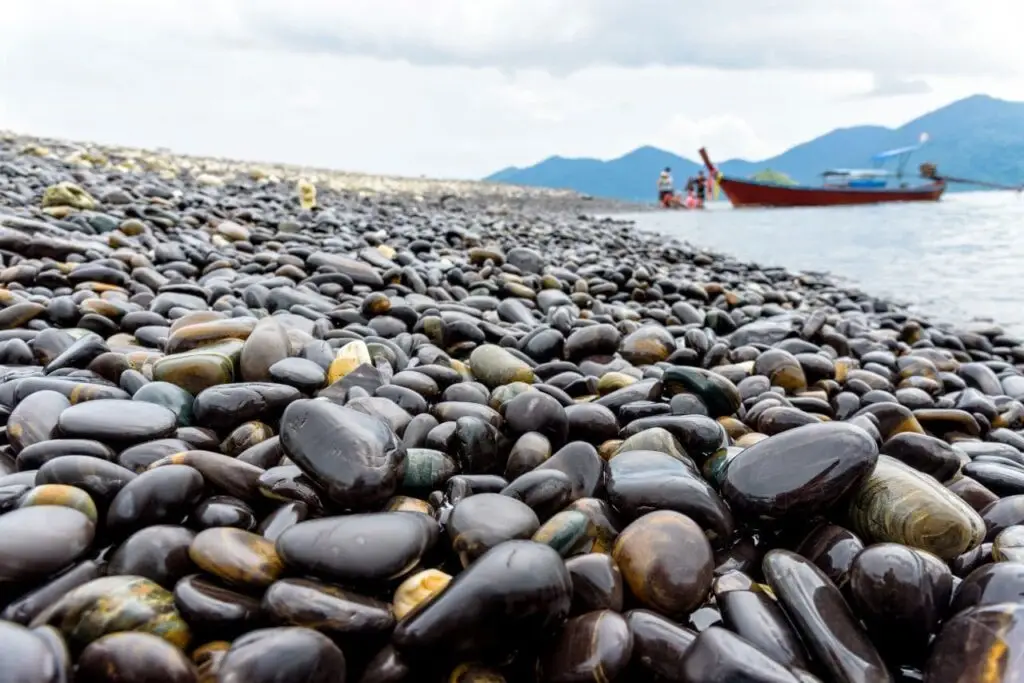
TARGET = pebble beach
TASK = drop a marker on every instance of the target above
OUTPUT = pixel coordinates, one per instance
(273, 424)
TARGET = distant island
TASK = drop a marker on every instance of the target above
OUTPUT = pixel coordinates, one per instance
(979, 137)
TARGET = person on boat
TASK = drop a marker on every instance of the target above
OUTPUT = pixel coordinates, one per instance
(700, 188)
(665, 191)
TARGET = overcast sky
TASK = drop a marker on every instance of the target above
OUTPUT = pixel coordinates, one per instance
(461, 88)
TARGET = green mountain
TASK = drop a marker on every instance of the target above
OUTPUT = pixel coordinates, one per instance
(978, 137)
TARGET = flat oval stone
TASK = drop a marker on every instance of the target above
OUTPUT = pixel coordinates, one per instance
(371, 547)
(115, 421)
(158, 553)
(494, 366)
(799, 473)
(38, 540)
(237, 557)
(161, 496)
(666, 561)
(35, 419)
(102, 480)
(898, 504)
(478, 523)
(357, 459)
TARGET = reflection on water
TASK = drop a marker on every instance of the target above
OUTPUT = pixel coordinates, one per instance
(957, 260)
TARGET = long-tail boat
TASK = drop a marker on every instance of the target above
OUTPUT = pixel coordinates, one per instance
(839, 187)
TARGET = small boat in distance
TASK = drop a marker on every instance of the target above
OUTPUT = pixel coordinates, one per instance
(840, 187)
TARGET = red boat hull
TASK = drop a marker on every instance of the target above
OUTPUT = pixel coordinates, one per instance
(745, 193)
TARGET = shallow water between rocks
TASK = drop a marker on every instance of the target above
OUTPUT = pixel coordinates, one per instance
(957, 260)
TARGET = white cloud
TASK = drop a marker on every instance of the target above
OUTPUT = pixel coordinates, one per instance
(464, 87)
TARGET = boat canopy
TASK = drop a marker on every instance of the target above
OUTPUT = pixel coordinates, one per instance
(882, 156)
(859, 173)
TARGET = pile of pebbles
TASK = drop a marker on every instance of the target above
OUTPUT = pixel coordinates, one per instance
(253, 435)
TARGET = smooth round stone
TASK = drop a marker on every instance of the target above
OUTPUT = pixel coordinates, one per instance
(223, 511)
(898, 504)
(494, 366)
(25, 657)
(61, 494)
(35, 456)
(640, 481)
(134, 658)
(114, 421)
(823, 619)
(666, 561)
(596, 583)
(514, 592)
(160, 496)
(1009, 544)
(1002, 513)
(158, 553)
(479, 523)
(371, 547)
(303, 374)
(112, 604)
(529, 451)
(717, 393)
(213, 610)
(38, 540)
(566, 532)
(266, 345)
(282, 655)
(139, 457)
(799, 473)
(355, 458)
(924, 453)
(326, 608)
(901, 594)
(655, 439)
(982, 643)
(990, 584)
(35, 419)
(170, 396)
(237, 557)
(102, 480)
(535, 411)
(592, 646)
(544, 491)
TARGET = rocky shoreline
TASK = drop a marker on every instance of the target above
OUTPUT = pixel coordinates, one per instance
(277, 424)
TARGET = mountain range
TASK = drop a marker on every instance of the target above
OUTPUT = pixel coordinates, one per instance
(979, 137)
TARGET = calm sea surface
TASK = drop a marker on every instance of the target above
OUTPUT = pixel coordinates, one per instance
(956, 261)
